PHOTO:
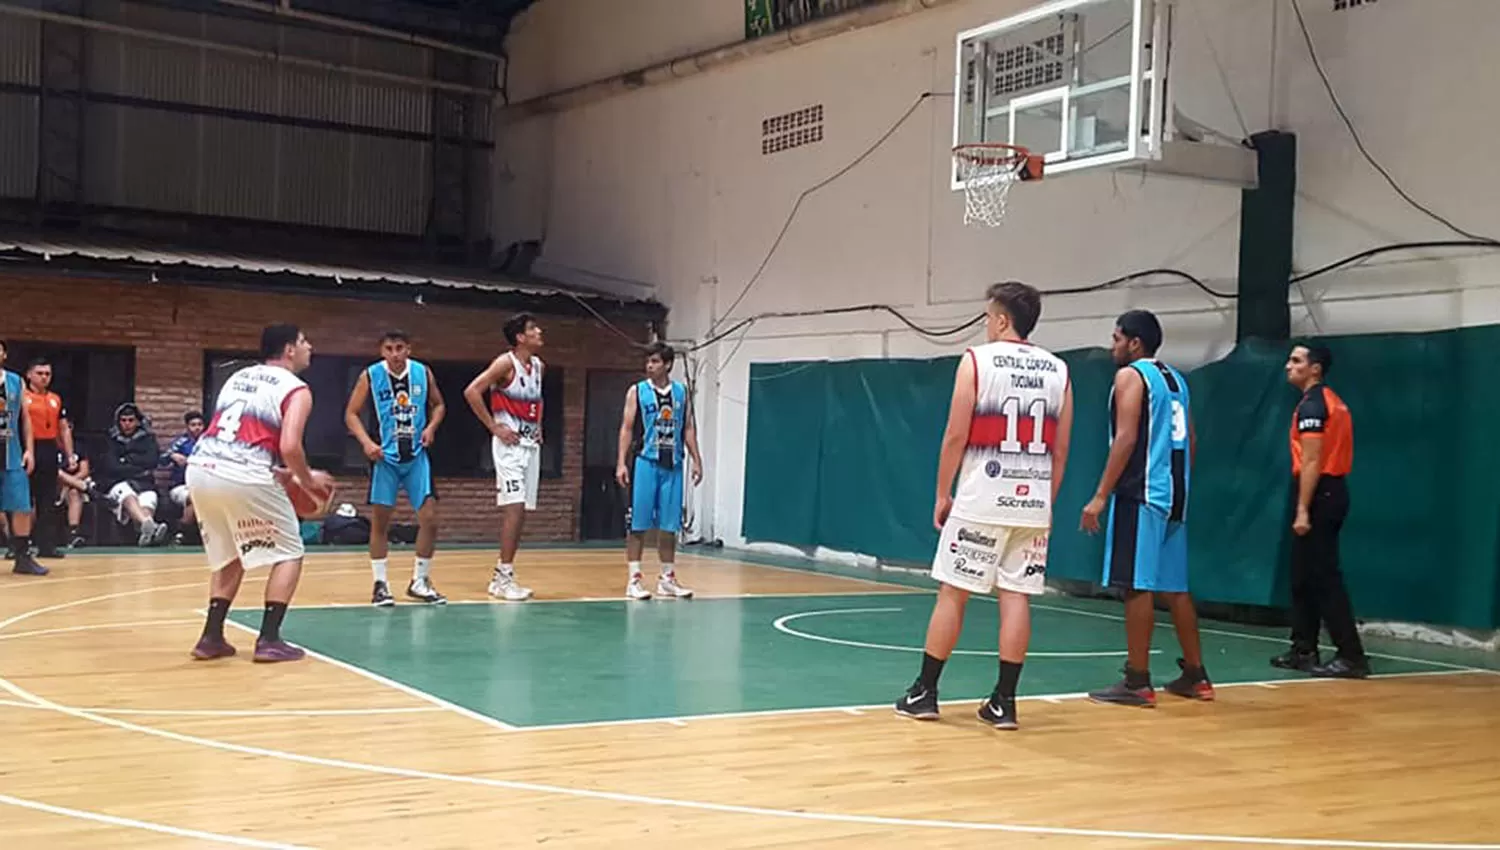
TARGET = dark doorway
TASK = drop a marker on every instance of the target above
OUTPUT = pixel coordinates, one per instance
(601, 516)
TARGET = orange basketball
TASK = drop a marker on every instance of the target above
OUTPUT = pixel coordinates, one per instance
(310, 503)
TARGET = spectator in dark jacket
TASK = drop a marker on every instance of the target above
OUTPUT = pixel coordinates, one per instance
(127, 473)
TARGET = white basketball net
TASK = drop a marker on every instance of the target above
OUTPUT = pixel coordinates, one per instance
(987, 173)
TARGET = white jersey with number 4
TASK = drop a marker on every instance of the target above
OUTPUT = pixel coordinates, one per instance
(1006, 476)
(243, 439)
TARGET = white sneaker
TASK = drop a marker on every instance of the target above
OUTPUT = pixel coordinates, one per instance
(505, 587)
(636, 590)
(667, 586)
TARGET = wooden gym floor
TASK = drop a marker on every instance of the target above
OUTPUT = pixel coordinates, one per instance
(756, 715)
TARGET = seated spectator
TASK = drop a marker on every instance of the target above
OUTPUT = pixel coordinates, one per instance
(127, 467)
(175, 458)
(77, 489)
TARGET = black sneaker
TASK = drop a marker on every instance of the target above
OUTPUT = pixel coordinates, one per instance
(423, 591)
(28, 566)
(1296, 659)
(1342, 668)
(381, 597)
(1192, 684)
(918, 703)
(999, 713)
(1121, 693)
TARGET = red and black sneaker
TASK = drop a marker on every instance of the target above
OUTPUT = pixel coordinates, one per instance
(1135, 689)
(1192, 684)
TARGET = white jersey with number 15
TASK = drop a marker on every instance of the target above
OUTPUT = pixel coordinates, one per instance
(243, 439)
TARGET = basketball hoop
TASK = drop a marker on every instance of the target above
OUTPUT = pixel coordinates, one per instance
(987, 171)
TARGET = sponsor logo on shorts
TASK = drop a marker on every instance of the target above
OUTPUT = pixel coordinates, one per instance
(961, 567)
(972, 554)
(977, 538)
(1036, 569)
(251, 545)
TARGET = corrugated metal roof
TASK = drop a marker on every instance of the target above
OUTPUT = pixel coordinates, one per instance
(123, 250)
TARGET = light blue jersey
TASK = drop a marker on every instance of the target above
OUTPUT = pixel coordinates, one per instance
(400, 409)
(1159, 471)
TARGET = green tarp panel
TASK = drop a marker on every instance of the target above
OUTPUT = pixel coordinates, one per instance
(844, 455)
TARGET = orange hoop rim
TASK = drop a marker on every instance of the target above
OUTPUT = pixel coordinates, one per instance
(992, 153)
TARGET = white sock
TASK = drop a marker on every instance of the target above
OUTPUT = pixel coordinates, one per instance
(668, 570)
(505, 570)
(635, 570)
(378, 568)
(423, 568)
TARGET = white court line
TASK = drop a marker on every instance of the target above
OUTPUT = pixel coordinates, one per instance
(249, 712)
(96, 626)
(700, 597)
(129, 823)
(780, 625)
(1050, 698)
(1265, 638)
(726, 808)
(405, 689)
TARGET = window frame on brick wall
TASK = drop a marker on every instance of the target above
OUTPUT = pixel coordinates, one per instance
(91, 418)
(452, 446)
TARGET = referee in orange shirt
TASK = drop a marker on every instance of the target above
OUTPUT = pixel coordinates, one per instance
(1322, 441)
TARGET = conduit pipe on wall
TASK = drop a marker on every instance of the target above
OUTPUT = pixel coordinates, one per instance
(720, 57)
(285, 9)
(263, 55)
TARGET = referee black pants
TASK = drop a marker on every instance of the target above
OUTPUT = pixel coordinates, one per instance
(1319, 596)
(44, 496)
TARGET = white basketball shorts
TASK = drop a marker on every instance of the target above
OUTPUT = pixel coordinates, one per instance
(517, 470)
(979, 557)
(255, 523)
(122, 491)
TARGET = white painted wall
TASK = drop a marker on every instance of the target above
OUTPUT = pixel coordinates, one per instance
(665, 191)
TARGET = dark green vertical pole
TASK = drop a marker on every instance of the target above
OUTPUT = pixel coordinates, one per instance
(1266, 224)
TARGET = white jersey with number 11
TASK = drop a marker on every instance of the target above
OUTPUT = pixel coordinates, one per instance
(243, 439)
(1006, 476)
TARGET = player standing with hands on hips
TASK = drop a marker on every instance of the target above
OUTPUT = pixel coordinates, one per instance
(514, 420)
(408, 410)
(656, 495)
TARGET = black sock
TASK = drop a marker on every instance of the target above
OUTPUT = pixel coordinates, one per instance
(270, 624)
(213, 627)
(22, 544)
(1137, 679)
(1010, 674)
(932, 668)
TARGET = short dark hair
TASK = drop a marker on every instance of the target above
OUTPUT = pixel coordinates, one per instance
(1318, 355)
(395, 335)
(1022, 303)
(275, 338)
(662, 350)
(37, 361)
(1141, 325)
(187, 418)
(517, 326)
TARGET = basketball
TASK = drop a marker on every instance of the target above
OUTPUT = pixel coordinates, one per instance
(312, 504)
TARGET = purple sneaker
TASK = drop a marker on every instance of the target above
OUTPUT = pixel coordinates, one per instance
(210, 648)
(269, 652)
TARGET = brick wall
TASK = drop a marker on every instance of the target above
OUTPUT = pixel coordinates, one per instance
(171, 325)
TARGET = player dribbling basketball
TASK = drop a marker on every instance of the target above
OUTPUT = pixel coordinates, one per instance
(244, 511)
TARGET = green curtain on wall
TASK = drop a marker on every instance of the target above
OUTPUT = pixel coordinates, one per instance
(844, 455)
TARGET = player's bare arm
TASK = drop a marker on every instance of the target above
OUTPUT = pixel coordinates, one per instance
(498, 372)
(1307, 481)
(293, 425)
(1130, 392)
(28, 443)
(690, 439)
(352, 419)
(955, 438)
(1062, 441)
(437, 408)
(65, 439)
(627, 426)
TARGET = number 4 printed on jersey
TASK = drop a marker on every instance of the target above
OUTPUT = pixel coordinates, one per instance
(228, 422)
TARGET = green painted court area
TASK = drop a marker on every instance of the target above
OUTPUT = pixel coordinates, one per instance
(545, 663)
